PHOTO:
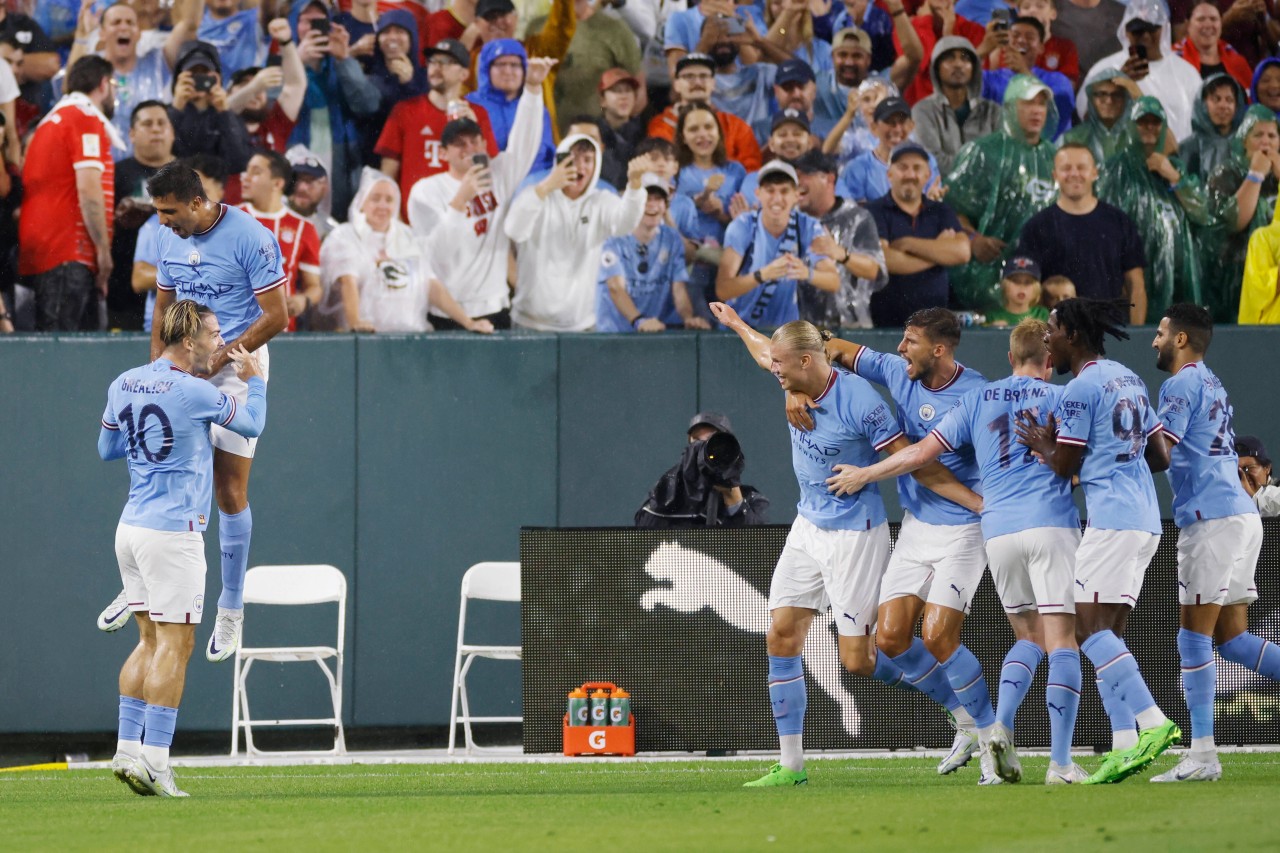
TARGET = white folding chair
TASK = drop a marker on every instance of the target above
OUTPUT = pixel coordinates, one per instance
(490, 582)
(292, 585)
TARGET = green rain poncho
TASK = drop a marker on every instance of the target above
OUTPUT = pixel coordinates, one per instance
(1206, 149)
(1163, 215)
(1222, 247)
(998, 182)
(1102, 140)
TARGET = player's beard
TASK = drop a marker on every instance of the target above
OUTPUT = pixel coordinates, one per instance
(109, 107)
(1164, 359)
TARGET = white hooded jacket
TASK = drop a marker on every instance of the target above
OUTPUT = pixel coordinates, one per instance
(559, 242)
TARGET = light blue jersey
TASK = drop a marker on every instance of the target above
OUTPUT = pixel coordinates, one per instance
(649, 270)
(237, 38)
(1018, 492)
(158, 416)
(773, 302)
(225, 268)
(851, 425)
(145, 251)
(919, 409)
(1105, 410)
(1196, 416)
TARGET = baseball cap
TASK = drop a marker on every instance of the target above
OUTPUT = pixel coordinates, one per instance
(780, 167)
(906, 149)
(814, 161)
(485, 8)
(457, 128)
(694, 59)
(859, 36)
(713, 419)
(793, 71)
(1246, 445)
(305, 163)
(1140, 25)
(452, 48)
(654, 181)
(892, 106)
(1021, 264)
(194, 53)
(789, 116)
(614, 76)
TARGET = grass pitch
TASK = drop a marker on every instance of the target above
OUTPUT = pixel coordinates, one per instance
(873, 804)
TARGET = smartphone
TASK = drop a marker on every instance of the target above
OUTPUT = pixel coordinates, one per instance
(275, 60)
(561, 156)
(1140, 51)
(734, 25)
(1002, 17)
(203, 82)
(320, 25)
(480, 160)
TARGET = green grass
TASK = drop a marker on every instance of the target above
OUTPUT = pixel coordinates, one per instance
(881, 804)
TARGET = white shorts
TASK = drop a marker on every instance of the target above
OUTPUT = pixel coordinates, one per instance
(163, 572)
(841, 568)
(1110, 565)
(1035, 569)
(226, 381)
(940, 563)
(1217, 558)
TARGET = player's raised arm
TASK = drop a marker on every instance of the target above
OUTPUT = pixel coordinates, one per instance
(842, 352)
(848, 479)
(757, 344)
(1042, 439)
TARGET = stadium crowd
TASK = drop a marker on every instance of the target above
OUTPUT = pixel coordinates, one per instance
(617, 165)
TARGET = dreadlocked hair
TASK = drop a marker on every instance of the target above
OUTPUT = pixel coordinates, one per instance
(1093, 319)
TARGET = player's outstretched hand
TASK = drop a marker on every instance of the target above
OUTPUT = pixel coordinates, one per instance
(246, 363)
(725, 315)
(798, 406)
(847, 480)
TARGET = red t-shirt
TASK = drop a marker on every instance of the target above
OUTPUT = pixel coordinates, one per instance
(299, 245)
(442, 25)
(1060, 55)
(412, 136)
(922, 86)
(421, 14)
(273, 134)
(51, 230)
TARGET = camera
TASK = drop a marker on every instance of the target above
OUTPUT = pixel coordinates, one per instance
(687, 495)
(203, 82)
(480, 160)
(320, 25)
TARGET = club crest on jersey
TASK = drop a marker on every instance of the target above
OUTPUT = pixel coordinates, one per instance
(927, 412)
(286, 235)
(193, 259)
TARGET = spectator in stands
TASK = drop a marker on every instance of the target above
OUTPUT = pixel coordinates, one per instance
(10, 198)
(409, 144)
(559, 226)
(1020, 294)
(1242, 199)
(1251, 26)
(794, 88)
(852, 134)
(920, 237)
(694, 81)
(743, 87)
(501, 70)
(956, 113)
(202, 123)
(601, 41)
(361, 23)
(938, 19)
(338, 96)
(376, 274)
(549, 37)
(769, 256)
(234, 32)
(1255, 475)
(139, 76)
(265, 182)
(613, 168)
(1090, 25)
(394, 67)
(310, 189)
(851, 55)
(455, 21)
(64, 233)
(459, 214)
(867, 177)
(1112, 264)
(850, 239)
(790, 28)
(998, 182)
(707, 177)
(1265, 88)
(1162, 74)
(1059, 54)
(648, 19)
(1163, 201)
(643, 275)
(1259, 303)
(269, 122)
(1218, 113)
(620, 123)
(1206, 51)
(1109, 95)
(39, 60)
(684, 31)
(1054, 289)
(1026, 46)
(878, 24)
(151, 136)
(789, 139)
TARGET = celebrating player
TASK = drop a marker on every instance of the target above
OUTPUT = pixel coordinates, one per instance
(159, 416)
(1100, 431)
(222, 257)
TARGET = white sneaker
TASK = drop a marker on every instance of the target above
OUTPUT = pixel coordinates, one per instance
(1072, 774)
(158, 782)
(987, 764)
(1191, 770)
(117, 614)
(962, 749)
(121, 765)
(226, 635)
(1005, 754)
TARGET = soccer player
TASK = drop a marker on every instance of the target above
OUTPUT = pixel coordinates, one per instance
(158, 416)
(1220, 530)
(939, 558)
(1031, 529)
(838, 545)
(1100, 431)
(222, 257)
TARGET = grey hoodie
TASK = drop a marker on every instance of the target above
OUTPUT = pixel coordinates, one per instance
(936, 125)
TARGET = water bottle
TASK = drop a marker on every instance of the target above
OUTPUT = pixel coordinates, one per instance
(577, 707)
(620, 708)
(971, 318)
(600, 708)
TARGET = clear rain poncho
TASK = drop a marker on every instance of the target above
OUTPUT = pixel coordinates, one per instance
(998, 182)
(1206, 148)
(1163, 214)
(1103, 141)
(1222, 248)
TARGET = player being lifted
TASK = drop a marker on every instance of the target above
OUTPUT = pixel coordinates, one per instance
(1100, 431)
(223, 258)
(838, 545)
(1221, 531)
(158, 418)
(1031, 529)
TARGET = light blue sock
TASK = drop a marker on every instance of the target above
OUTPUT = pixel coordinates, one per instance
(1199, 680)
(1062, 698)
(132, 718)
(1016, 673)
(787, 693)
(1117, 668)
(1122, 719)
(965, 674)
(161, 721)
(1253, 652)
(926, 675)
(889, 673)
(234, 532)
